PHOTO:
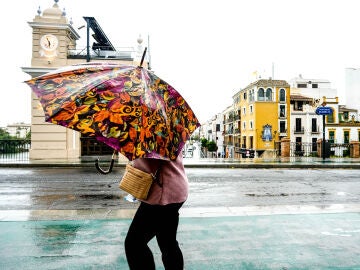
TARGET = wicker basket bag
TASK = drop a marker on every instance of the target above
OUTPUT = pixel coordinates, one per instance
(136, 182)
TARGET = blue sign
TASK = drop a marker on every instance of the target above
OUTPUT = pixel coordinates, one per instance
(323, 110)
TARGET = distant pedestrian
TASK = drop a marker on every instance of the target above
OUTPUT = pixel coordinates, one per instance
(158, 216)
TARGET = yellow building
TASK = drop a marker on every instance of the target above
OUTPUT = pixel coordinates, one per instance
(264, 108)
(54, 46)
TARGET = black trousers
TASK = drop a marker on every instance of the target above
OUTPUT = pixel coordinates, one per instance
(150, 221)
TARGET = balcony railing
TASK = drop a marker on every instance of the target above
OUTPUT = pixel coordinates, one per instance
(299, 130)
(122, 53)
(315, 130)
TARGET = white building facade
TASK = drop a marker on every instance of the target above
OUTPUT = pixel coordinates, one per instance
(212, 130)
(352, 88)
(306, 127)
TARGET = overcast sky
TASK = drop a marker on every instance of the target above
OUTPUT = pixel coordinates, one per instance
(208, 50)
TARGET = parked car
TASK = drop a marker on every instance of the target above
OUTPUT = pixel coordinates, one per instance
(247, 153)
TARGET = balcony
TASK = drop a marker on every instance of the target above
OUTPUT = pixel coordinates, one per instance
(299, 130)
(315, 130)
(229, 120)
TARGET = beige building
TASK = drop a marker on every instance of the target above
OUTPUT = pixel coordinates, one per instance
(54, 45)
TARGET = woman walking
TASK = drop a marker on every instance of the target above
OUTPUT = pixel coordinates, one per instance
(158, 216)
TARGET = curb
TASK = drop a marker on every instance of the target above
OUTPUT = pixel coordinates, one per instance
(355, 166)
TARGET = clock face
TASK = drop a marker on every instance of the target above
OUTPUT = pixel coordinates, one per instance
(49, 42)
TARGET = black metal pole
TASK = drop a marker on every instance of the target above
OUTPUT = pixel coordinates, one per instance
(143, 56)
(323, 140)
(87, 41)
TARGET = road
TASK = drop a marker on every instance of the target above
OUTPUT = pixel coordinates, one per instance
(84, 188)
(263, 236)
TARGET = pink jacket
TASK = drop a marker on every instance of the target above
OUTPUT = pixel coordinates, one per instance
(172, 176)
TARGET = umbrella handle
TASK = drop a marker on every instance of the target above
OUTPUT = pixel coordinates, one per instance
(100, 170)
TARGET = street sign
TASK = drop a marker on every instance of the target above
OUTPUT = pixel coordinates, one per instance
(323, 110)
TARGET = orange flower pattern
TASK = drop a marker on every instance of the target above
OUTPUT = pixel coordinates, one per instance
(128, 108)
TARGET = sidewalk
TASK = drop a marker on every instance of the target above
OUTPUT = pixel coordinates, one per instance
(302, 238)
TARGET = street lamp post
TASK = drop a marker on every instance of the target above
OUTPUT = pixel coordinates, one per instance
(323, 110)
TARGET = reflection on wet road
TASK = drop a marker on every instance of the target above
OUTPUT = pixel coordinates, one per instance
(84, 188)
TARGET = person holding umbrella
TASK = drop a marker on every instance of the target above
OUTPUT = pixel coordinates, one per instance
(158, 216)
(143, 118)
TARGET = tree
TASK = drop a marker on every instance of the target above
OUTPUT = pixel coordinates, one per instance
(211, 146)
(4, 134)
(204, 142)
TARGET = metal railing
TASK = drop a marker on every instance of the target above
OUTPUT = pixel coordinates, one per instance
(123, 53)
(14, 150)
(300, 149)
(340, 149)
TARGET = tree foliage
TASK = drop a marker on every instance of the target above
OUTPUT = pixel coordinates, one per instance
(211, 146)
(4, 135)
(204, 142)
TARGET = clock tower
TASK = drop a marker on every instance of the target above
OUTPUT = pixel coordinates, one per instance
(52, 37)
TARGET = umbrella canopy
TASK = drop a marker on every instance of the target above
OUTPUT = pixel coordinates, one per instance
(127, 107)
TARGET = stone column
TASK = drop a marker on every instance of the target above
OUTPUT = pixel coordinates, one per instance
(354, 149)
(285, 147)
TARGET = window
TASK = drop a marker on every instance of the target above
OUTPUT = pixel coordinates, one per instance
(244, 95)
(346, 116)
(301, 85)
(282, 111)
(252, 98)
(331, 136)
(314, 85)
(298, 106)
(251, 109)
(314, 125)
(298, 125)
(282, 95)
(243, 142)
(330, 117)
(282, 126)
(346, 136)
(298, 145)
(251, 124)
(314, 144)
(244, 125)
(268, 94)
(261, 94)
(244, 111)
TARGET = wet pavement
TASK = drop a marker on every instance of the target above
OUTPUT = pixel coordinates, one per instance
(74, 218)
(305, 241)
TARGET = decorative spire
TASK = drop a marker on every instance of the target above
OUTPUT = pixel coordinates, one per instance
(39, 11)
(140, 49)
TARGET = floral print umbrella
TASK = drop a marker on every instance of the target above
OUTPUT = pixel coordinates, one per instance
(127, 107)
